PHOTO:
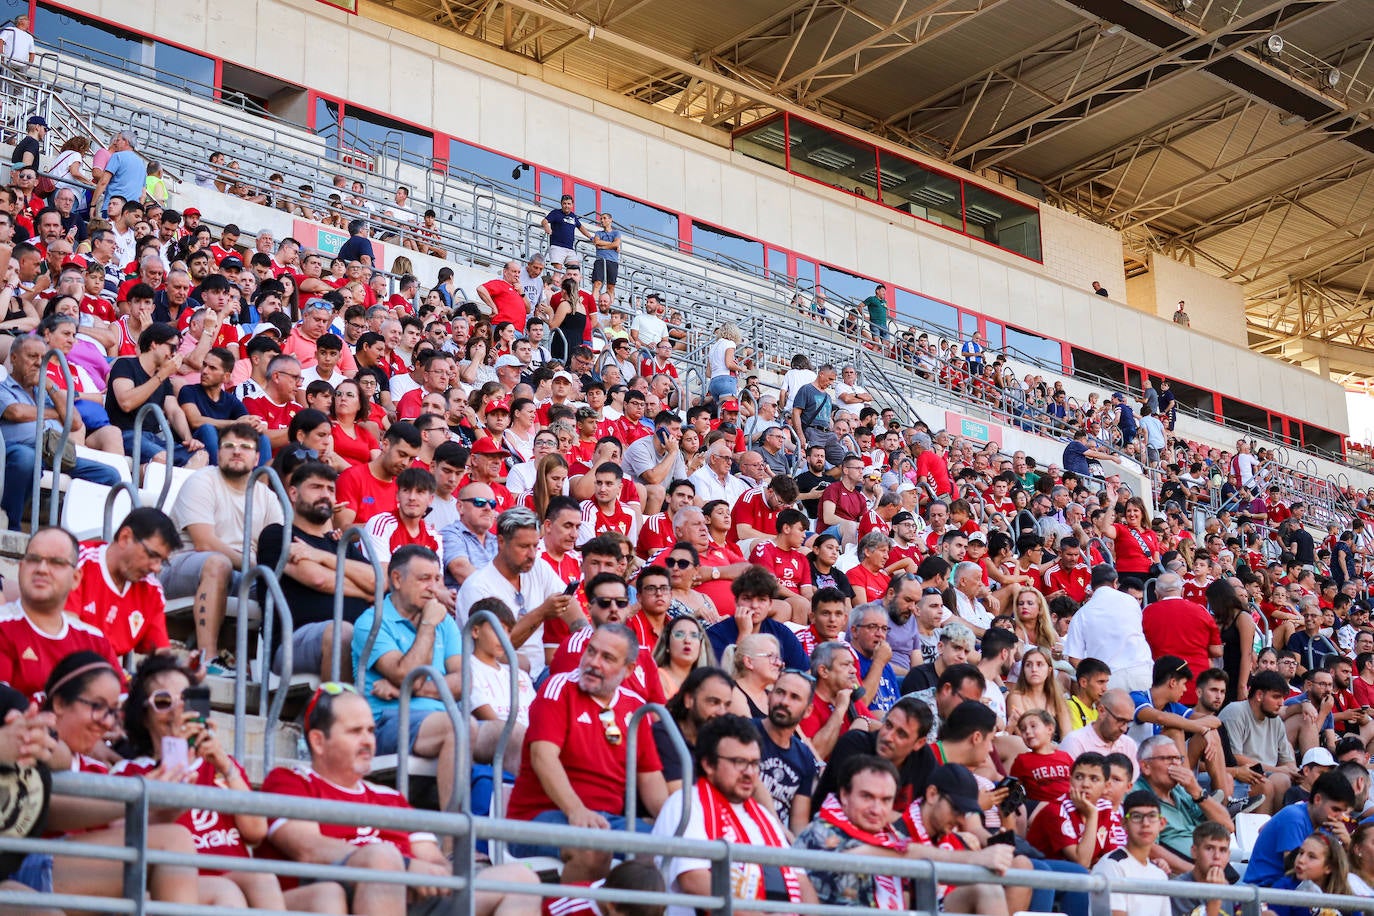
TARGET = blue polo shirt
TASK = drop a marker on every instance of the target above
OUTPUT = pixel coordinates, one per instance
(11, 392)
(460, 542)
(397, 634)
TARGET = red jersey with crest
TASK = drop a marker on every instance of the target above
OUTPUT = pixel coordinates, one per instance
(1060, 826)
(134, 618)
(790, 566)
(276, 416)
(215, 834)
(655, 534)
(1075, 580)
(752, 509)
(28, 655)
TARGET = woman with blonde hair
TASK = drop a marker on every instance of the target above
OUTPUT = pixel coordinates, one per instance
(1038, 688)
(1032, 623)
(722, 369)
(755, 665)
(681, 649)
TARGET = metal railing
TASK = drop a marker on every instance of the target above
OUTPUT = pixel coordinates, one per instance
(40, 424)
(139, 795)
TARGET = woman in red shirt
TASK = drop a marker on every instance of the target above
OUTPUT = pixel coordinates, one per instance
(867, 578)
(1134, 543)
(353, 442)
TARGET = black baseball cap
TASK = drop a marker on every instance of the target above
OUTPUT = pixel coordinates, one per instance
(956, 783)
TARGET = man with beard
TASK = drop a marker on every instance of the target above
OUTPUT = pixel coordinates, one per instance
(209, 512)
(528, 585)
(704, 695)
(308, 580)
(608, 601)
(788, 768)
(1257, 737)
(900, 740)
(723, 807)
(369, 489)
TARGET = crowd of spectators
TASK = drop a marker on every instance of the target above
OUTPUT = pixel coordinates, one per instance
(874, 637)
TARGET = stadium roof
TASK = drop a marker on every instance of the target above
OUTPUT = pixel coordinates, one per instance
(1234, 135)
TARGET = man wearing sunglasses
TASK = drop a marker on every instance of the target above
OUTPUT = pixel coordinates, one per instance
(573, 766)
(469, 543)
(608, 601)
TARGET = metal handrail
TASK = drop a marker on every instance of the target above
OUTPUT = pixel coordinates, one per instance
(684, 757)
(273, 605)
(245, 583)
(40, 399)
(348, 535)
(142, 793)
(464, 764)
(107, 526)
(462, 738)
(169, 444)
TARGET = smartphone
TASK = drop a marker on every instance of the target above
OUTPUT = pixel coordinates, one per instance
(572, 587)
(197, 700)
(175, 753)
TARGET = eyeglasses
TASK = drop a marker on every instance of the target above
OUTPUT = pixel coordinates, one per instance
(677, 563)
(605, 603)
(480, 502)
(34, 559)
(875, 627)
(609, 725)
(152, 554)
(162, 700)
(773, 657)
(333, 688)
(687, 635)
(1167, 758)
(741, 763)
(100, 710)
(1142, 817)
(655, 589)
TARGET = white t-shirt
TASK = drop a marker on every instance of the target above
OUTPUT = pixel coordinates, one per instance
(206, 498)
(715, 357)
(651, 329)
(313, 375)
(18, 45)
(792, 382)
(536, 586)
(1121, 864)
(491, 687)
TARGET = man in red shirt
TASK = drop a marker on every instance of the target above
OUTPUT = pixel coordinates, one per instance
(485, 463)
(629, 428)
(118, 592)
(833, 709)
(573, 765)
(656, 531)
(604, 511)
(390, 531)
(608, 601)
(278, 405)
(35, 633)
(1173, 625)
(931, 467)
(1069, 575)
(339, 730)
(843, 504)
(505, 298)
(755, 513)
(366, 490)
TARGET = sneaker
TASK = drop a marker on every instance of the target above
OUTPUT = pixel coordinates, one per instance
(1239, 806)
(222, 665)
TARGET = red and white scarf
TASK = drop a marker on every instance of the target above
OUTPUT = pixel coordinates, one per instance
(722, 822)
(887, 889)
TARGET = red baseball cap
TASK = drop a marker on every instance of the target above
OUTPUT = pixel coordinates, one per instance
(730, 404)
(499, 404)
(487, 446)
(190, 211)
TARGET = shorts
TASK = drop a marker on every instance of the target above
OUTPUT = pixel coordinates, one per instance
(389, 729)
(307, 648)
(93, 415)
(153, 445)
(180, 576)
(35, 872)
(557, 255)
(604, 271)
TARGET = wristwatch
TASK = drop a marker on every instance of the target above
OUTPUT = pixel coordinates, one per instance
(1201, 797)
(715, 573)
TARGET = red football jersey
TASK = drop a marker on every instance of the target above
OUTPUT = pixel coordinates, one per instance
(1059, 826)
(389, 536)
(569, 718)
(643, 680)
(28, 655)
(277, 416)
(306, 783)
(135, 618)
(1075, 581)
(752, 509)
(215, 834)
(594, 521)
(790, 566)
(362, 492)
(655, 535)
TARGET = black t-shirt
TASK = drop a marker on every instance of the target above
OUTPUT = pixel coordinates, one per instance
(922, 677)
(307, 605)
(914, 771)
(786, 772)
(130, 368)
(806, 482)
(228, 407)
(28, 145)
(355, 248)
(667, 753)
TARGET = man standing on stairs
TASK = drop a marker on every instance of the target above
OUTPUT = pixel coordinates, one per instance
(210, 512)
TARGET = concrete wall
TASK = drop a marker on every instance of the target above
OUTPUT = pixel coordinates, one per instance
(418, 79)
(1215, 307)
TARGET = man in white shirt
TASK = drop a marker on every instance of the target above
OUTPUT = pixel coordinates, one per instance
(714, 480)
(1143, 826)
(849, 391)
(648, 327)
(527, 584)
(17, 43)
(1108, 628)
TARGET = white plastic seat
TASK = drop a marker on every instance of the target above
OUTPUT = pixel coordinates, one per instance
(1247, 831)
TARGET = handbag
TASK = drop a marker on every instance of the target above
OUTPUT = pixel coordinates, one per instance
(52, 438)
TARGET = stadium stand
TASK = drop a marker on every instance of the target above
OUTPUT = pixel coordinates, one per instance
(307, 546)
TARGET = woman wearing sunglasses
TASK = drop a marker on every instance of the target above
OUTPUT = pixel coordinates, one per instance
(156, 711)
(682, 648)
(682, 562)
(83, 692)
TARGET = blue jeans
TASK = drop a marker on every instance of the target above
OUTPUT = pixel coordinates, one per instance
(154, 446)
(1071, 903)
(527, 850)
(723, 386)
(209, 437)
(19, 461)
